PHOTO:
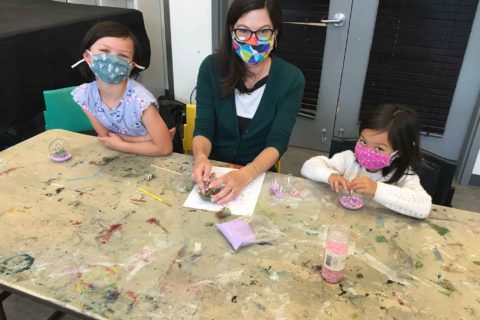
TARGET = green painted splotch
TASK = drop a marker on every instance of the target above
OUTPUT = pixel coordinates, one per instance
(440, 230)
(418, 265)
(447, 286)
(477, 263)
(16, 264)
(311, 233)
(381, 239)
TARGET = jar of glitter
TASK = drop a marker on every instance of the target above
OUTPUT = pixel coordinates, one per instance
(350, 199)
(336, 249)
(60, 150)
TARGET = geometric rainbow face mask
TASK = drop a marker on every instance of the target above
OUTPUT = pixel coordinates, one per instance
(252, 51)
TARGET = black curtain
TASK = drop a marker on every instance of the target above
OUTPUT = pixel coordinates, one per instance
(416, 56)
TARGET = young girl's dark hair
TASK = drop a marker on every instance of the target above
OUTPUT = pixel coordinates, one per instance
(401, 124)
(231, 68)
(108, 29)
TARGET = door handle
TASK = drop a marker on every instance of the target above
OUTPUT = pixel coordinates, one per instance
(338, 20)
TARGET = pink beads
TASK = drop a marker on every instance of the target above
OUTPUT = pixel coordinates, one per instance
(351, 202)
(335, 255)
(331, 276)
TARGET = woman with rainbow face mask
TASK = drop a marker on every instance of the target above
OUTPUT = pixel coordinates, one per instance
(247, 99)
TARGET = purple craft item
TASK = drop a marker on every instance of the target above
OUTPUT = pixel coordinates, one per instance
(237, 232)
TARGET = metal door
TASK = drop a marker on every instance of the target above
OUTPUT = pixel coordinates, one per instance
(316, 132)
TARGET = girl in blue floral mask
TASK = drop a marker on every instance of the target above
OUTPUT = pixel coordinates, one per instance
(123, 113)
(383, 164)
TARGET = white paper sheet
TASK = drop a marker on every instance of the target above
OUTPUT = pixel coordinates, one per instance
(243, 205)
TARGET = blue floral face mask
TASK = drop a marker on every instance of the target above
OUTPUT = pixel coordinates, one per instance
(110, 68)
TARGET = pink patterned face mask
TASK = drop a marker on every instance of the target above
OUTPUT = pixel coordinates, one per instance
(373, 160)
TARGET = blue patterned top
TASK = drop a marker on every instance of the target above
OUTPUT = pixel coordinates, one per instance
(126, 118)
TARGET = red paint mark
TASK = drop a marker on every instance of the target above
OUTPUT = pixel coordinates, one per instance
(9, 170)
(400, 301)
(105, 235)
(86, 284)
(132, 295)
(155, 221)
(75, 222)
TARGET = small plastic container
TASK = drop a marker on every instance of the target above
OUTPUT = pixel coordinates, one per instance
(336, 249)
(60, 150)
(350, 199)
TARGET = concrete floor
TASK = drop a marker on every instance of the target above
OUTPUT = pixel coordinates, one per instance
(18, 308)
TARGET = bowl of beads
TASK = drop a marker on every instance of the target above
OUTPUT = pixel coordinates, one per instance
(350, 199)
(59, 150)
(208, 191)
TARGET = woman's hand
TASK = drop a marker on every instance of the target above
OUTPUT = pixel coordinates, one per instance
(336, 181)
(201, 171)
(364, 184)
(234, 182)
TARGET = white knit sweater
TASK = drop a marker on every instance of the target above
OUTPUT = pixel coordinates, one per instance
(406, 196)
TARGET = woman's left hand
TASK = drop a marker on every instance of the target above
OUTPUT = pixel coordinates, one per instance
(234, 182)
(364, 184)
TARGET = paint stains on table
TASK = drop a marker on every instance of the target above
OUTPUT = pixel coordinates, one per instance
(16, 264)
(106, 234)
(104, 161)
(7, 171)
(156, 222)
(440, 230)
(381, 239)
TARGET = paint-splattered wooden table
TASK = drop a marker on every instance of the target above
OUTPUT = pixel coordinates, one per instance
(80, 236)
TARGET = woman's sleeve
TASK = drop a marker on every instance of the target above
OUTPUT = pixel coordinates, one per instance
(287, 115)
(205, 115)
(408, 198)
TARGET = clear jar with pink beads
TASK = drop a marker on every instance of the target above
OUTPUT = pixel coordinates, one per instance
(336, 250)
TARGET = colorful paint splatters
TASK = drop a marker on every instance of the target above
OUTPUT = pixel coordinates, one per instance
(9, 170)
(437, 254)
(16, 264)
(104, 161)
(447, 287)
(156, 222)
(105, 235)
(381, 239)
(441, 230)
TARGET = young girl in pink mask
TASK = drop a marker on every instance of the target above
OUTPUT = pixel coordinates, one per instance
(384, 164)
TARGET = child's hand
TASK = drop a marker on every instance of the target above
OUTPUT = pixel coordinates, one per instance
(112, 141)
(364, 184)
(336, 181)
